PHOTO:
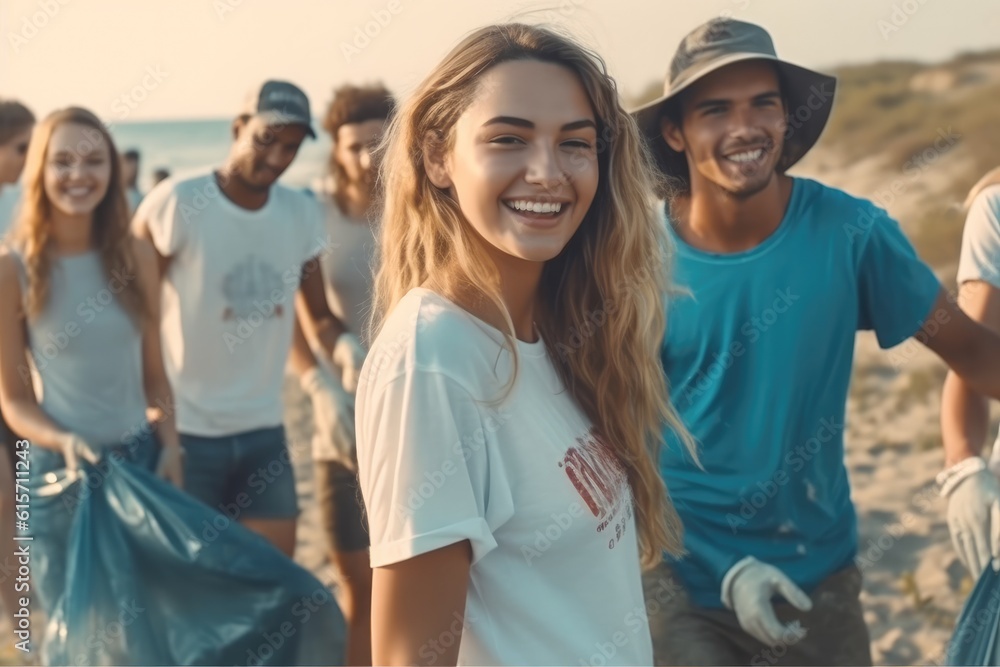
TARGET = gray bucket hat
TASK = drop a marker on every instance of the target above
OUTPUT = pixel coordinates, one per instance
(724, 41)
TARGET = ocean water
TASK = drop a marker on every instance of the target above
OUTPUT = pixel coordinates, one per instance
(191, 145)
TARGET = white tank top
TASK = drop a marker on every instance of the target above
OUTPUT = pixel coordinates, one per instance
(86, 354)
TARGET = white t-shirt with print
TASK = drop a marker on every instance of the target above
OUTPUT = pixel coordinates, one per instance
(555, 576)
(980, 257)
(228, 298)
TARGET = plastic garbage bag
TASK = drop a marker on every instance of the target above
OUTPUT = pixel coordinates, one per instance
(975, 641)
(149, 584)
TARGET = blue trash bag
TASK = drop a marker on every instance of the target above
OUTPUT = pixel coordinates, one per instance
(976, 640)
(145, 586)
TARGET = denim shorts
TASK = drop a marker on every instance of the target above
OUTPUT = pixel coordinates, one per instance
(246, 475)
(52, 515)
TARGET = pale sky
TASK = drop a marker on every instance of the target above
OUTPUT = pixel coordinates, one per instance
(153, 59)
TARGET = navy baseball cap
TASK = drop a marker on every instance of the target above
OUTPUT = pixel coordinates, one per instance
(280, 103)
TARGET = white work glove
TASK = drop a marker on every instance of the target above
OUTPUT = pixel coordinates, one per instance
(349, 356)
(333, 410)
(75, 448)
(748, 588)
(973, 495)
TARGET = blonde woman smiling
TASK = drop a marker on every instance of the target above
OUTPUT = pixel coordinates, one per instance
(517, 208)
(90, 396)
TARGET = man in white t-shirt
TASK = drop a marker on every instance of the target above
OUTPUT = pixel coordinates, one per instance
(237, 252)
(355, 121)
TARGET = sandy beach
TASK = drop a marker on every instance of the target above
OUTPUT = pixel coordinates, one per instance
(914, 585)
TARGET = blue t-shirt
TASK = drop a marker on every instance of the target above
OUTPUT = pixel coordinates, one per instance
(758, 357)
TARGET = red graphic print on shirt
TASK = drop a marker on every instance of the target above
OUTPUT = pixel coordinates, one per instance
(600, 479)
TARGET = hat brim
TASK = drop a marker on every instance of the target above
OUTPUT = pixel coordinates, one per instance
(278, 118)
(809, 96)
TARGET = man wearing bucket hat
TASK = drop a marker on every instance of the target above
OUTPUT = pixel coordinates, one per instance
(237, 250)
(782, 272)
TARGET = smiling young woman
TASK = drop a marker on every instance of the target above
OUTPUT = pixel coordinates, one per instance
(511, 488)
(93, 371)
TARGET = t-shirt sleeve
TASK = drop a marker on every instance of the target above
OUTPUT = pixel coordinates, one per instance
(424, 470)
(980, 258)
(159, 211)
(896, 289)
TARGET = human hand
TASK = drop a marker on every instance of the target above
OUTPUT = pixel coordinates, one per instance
(333, 412)
(349, 355)
(973, 494)
(171, 465)
(73, 449)
(748, 588)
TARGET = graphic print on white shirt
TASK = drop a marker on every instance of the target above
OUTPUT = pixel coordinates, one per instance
(600, 479)
(249, 288)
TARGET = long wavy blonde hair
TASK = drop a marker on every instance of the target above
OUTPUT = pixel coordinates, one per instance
(601, 301)
(110, 230)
